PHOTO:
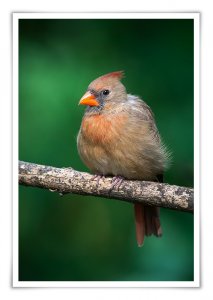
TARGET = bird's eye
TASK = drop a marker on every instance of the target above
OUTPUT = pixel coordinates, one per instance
(105, 92)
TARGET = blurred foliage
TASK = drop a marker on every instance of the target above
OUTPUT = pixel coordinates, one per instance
(86, 238)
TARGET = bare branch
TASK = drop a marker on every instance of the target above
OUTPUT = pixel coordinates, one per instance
(67, 180)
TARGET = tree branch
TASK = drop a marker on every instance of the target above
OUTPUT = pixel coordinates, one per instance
(67, 180)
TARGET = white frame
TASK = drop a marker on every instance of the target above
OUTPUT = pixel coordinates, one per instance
(196, 17)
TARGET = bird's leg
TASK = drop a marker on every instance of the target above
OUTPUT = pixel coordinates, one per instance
(98, 177)
(116, 182)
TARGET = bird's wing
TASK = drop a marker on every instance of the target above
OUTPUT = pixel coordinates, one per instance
(144, 112)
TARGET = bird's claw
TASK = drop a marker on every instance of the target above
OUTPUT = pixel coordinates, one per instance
(116, 182)
(97, 177)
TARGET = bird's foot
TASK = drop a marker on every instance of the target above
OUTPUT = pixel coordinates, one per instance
(98, 177)
(116, 182)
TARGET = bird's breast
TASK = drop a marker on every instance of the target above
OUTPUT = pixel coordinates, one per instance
(101, 129)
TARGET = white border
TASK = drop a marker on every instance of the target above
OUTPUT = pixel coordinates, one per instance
(196, 17)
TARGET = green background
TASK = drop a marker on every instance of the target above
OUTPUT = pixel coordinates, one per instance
(87, 238)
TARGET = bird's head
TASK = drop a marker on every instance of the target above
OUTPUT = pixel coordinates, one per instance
(105, 90)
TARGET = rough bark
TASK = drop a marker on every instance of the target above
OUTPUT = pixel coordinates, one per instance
(67, 180)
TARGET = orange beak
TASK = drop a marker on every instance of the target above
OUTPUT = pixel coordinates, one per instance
(89, 99)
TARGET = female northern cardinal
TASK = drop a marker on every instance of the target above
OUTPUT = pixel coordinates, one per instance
(119, 137)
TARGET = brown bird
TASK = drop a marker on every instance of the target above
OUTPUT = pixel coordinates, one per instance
(119, 137)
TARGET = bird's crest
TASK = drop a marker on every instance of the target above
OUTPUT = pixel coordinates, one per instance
(118, 75)
(109, 79)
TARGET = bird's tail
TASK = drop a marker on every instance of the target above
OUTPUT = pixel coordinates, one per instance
(147, 221)
(139, 223)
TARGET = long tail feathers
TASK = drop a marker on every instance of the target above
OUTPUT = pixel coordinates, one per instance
(147, 220)
(152, 221)
(140, 223)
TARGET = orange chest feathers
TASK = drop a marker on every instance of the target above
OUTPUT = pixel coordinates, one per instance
(100, 129)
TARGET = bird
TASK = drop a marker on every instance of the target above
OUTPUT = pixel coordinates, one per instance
(118, 137)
